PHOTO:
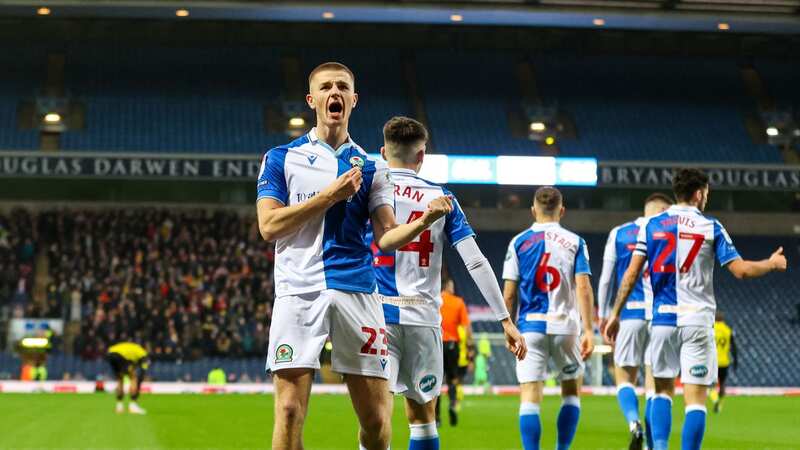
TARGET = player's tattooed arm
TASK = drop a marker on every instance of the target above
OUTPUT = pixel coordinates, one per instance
(389, 235)
(276, 220)
(741, 268)
(625, 288)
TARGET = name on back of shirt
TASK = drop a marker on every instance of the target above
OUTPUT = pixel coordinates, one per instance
(550, 236)
(409, 192)
(683, 220)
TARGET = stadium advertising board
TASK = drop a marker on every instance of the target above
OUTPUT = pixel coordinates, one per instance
(451, 169)
(722, 176)
(510, 170)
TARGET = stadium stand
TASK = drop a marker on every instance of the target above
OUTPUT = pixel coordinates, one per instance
(468, 102)
(212, 100)
(187, 285)
(652, 108)
(780, 77)
(17, 250)
(173, 99)
(22, 76)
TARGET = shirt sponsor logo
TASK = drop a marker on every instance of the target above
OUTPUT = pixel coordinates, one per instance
(303, 196)
(427, 383)
(284, 353)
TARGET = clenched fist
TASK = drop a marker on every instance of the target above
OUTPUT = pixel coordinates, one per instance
(345, 186)
(437, 208)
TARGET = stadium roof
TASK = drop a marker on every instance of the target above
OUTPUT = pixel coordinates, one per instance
(747, 16)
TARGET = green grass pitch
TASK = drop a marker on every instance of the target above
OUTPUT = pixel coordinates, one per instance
(245, 421)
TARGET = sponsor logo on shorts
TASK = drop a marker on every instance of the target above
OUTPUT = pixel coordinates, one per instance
(284, 353)
(427, 383)
(570, 369)
(698, 371)
(383, 363)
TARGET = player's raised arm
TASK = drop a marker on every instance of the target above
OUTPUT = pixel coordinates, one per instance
(389, 236)
(625, 288)
(276, 220)
(742, 268)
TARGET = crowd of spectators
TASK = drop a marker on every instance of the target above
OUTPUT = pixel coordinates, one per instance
(17, 252)
(184, 283)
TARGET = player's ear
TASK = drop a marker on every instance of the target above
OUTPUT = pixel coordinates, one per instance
(355, 100)
(561, 212)
(383, 152)
(310, 101)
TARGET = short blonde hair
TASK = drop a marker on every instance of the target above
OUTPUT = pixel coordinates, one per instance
(331, 65)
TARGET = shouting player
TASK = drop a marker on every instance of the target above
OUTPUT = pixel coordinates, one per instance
(547, 267)
(679, 246)
(409, 280)
(634, 334)
(315, 198)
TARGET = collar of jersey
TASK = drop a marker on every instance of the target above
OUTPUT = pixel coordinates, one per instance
(312, 136)
(403, 171)
(544, 225)
(685, 208)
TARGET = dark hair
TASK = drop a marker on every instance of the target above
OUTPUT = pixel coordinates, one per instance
(686, 182)
(659, 197)
(401, 130)
(331, 65)
(549, 198)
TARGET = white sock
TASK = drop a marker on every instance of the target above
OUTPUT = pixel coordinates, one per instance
(423, 431)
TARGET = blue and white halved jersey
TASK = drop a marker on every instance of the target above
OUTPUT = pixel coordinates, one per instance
(410, 278)
(619, 249)
(680, 245)
(544, 260)
(327, 252)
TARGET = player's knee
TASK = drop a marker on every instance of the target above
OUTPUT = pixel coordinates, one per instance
(377, 425)
(290, 410)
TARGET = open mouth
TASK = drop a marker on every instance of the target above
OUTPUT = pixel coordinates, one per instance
(335, 108)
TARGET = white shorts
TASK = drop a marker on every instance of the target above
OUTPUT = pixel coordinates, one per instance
(631, 344)
(690, 351)
(562, 350)
(416, 364)
(354, 322)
